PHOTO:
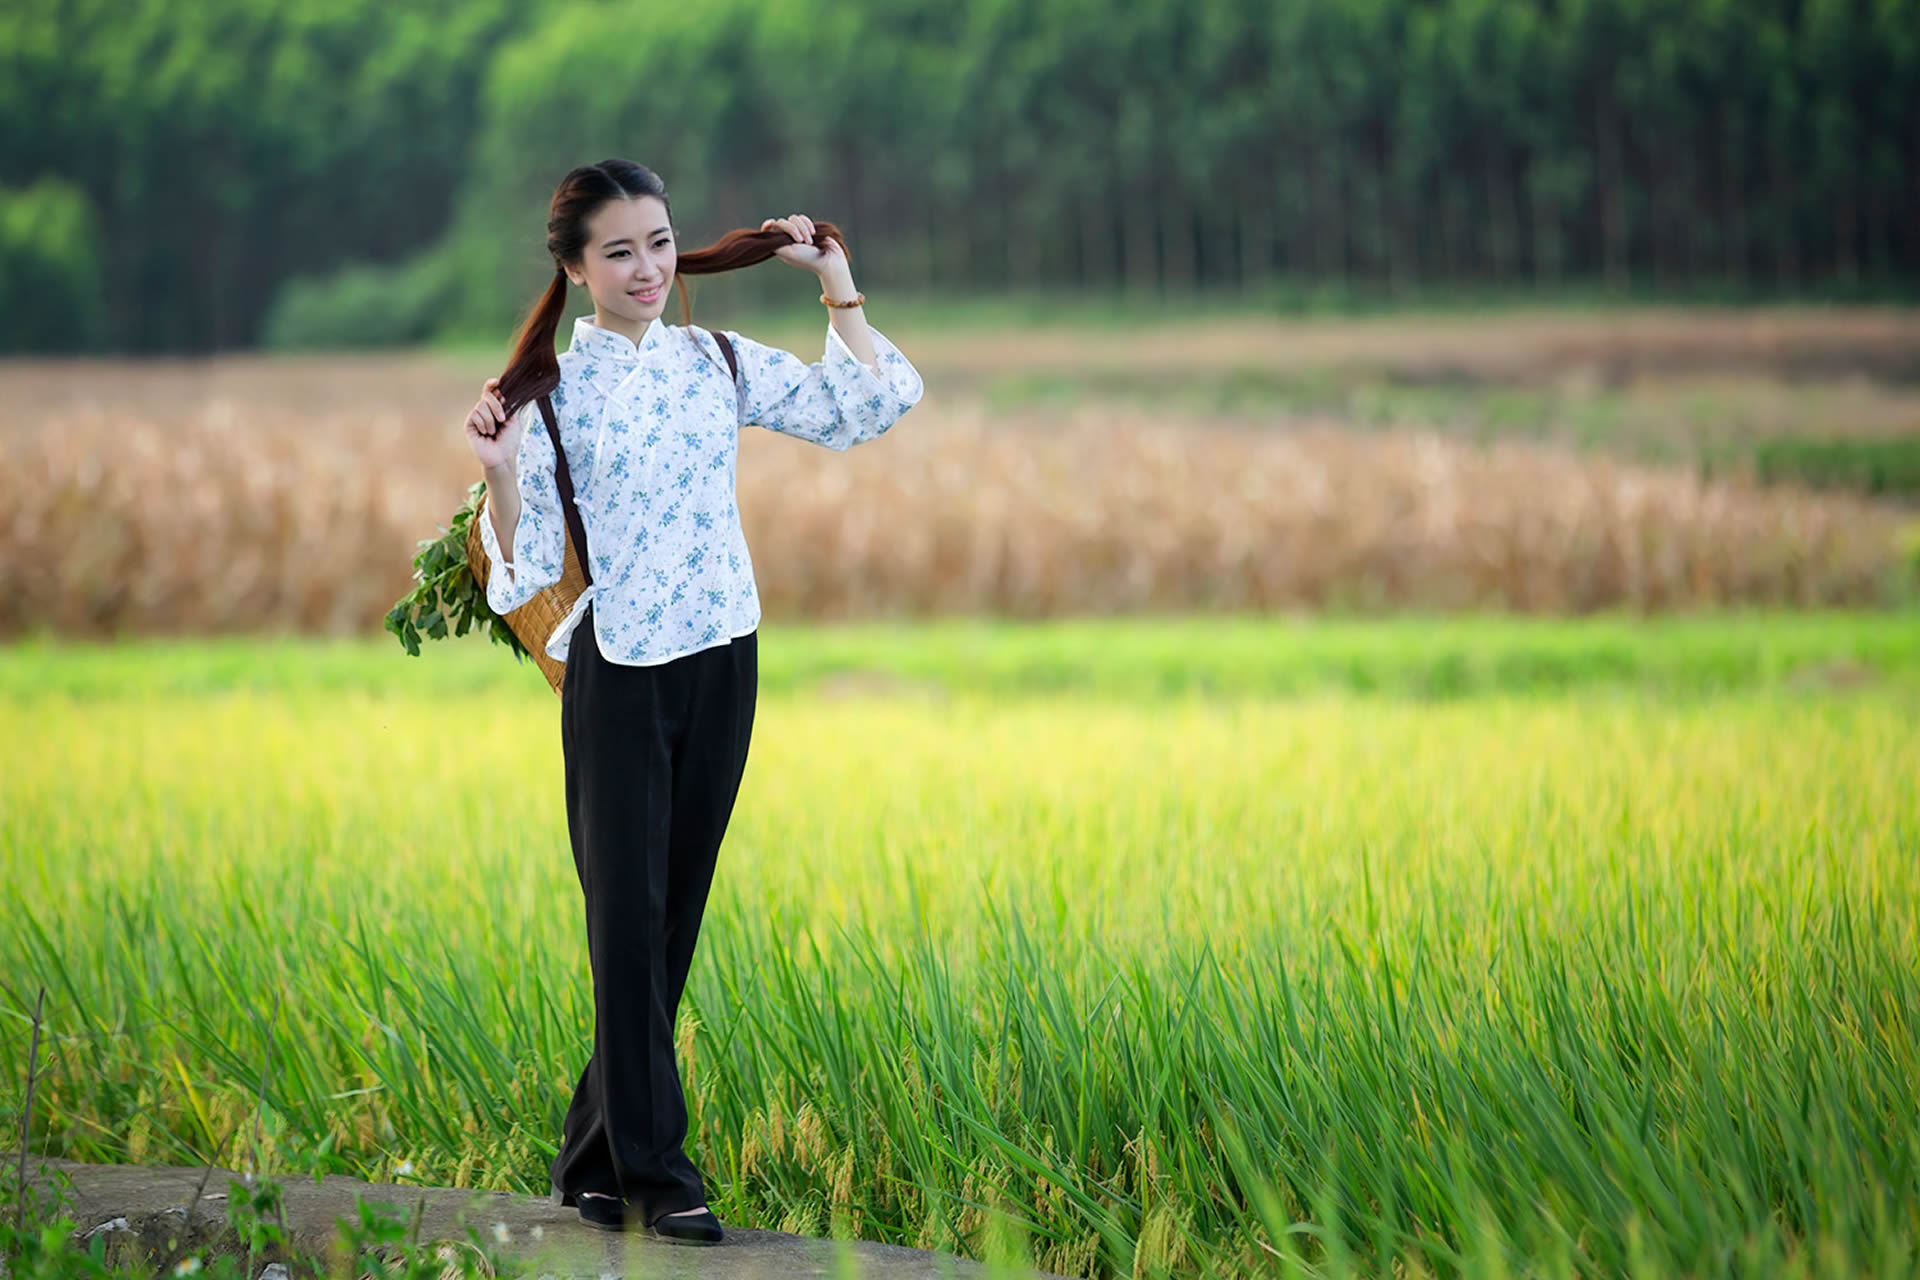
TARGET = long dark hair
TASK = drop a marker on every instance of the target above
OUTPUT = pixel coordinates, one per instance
(533, 370)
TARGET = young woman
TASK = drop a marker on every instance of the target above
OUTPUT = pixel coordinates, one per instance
(658, 698)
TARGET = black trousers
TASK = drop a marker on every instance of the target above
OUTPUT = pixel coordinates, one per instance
(654, 757)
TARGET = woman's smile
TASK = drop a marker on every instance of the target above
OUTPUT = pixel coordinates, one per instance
(645, 295)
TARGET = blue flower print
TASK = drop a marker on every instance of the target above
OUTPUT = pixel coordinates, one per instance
(650, 430)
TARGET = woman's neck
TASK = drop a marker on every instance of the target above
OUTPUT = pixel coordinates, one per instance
(631, 330)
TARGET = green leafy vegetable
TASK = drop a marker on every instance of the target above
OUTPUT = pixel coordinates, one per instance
(445, 593)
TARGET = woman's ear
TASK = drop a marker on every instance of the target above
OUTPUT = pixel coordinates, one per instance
(578, 278)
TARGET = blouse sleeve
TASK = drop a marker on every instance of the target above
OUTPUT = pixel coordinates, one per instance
(837, 401)
(539, 539)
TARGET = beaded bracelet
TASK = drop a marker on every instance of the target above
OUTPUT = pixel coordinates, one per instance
(858, 298)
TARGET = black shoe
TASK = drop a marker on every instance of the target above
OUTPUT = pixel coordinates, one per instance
(603, 1212)
(566, 1200)
(687, 1228)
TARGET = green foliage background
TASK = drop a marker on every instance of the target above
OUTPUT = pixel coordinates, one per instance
(47, 255)
(401, 156)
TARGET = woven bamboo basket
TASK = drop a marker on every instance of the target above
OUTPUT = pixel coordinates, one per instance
(535, 620)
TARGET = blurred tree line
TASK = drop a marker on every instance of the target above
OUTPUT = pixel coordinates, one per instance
(184, 175)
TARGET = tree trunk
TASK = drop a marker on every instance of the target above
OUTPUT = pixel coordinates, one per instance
(1846, 249)
(1179, 269)
(1547, 230)
(1786, 247)
(1612, 191)
(1499, 222)
(1733, 201)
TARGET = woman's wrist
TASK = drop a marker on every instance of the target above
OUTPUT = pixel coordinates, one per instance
(837, 283)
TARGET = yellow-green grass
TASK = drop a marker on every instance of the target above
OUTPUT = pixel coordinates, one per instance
(1618, 975)
(1434, 656)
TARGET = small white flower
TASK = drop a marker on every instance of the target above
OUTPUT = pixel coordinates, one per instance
(187, 1266)
(501, 1234)
(406, 1167)
(538, 1232)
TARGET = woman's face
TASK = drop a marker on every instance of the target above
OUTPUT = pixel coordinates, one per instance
(627, 263)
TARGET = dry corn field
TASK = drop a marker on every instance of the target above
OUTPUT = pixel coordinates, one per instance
(244, 494)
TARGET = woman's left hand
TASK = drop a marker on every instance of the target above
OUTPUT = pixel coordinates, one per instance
(817, 257)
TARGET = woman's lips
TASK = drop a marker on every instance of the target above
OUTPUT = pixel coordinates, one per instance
(645, 297)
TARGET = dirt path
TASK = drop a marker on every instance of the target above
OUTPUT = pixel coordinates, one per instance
(141, 1209)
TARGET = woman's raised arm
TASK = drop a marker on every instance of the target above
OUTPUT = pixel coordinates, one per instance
(836, 401)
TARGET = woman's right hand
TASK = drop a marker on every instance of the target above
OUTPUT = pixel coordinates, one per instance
(495, 441)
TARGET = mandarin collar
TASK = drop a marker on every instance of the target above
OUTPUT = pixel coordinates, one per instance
(590, 339)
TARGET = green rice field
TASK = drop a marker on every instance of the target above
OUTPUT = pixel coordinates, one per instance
(1470, 947)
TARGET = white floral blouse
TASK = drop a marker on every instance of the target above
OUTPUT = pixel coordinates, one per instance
(651, 434)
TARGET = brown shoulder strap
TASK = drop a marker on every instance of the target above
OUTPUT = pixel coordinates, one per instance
(563, 481)
(726, 349)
